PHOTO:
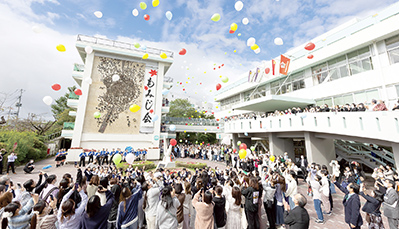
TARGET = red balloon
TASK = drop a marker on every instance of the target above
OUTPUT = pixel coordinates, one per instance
(218, 86)
(310, 46)
(56, 87)
(183, 51)
(231, 31)
(243, 146)
(310, 56)
(173, 142)
(146, 17)
(267, 70)
(78, 92)
(234, 150)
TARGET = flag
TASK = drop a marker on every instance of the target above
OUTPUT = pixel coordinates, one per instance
(249, 76)
(284, 65)
(273, 66)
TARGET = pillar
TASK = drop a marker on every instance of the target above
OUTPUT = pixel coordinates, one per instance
(278, 146)
(319, 150)
(395, 151)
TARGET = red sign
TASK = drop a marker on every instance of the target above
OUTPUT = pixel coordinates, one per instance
(284, 65)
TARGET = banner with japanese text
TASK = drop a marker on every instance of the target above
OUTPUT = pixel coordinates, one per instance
(149, 97)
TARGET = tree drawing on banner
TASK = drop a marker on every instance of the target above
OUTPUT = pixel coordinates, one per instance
(119, 94)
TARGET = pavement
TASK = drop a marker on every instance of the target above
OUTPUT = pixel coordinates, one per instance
(336, 220)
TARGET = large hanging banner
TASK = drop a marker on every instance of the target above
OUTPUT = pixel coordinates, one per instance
(149, 96)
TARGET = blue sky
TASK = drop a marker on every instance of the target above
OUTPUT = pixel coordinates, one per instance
(295, 21)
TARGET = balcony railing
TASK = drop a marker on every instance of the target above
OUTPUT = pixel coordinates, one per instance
(193, 121)
(72, 95)
(167, 79)
(79, 67)
(69, 125)
(122, 45)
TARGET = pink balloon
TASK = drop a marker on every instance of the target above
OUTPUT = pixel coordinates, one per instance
(310, 46)
(267, 70)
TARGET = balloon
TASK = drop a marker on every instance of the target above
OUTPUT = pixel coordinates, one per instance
(88, 49)
(234, 26)
(181, 140)
(169, 15)
(215, 17)
(254, 47)
(143, 6)
(165, 91)
(272, 158)
(242, 153)
(246, 134)
(156, 137)
(218, 86)
(173, 142)
(239, 5)
(155, 3)
(239, 35)
(56, 87)
(115, 77)
(134, 108)
(243, 146)
(88, 80)
(61, 48)
(144, 47)
(183, 51)
(98, 14)
(47, 100)
(267, 70)
(231, 31)
(234, 150)
(155, 118)
(310, 56)
(310, 46)
(238, 143)
(163, 55)
(117, 158)
(130, 158)
(248, 151)
(145, 56)
(78, 92)
(245, 21)
(137, 45)
(135, 12)
(257, 50)
(225, 79)
(36, 29)
(251, 41)
(146, 17)
(252, 148)
(97, 114)
(172, 127)
(278, 41)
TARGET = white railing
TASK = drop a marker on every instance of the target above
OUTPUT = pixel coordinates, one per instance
(375, 125)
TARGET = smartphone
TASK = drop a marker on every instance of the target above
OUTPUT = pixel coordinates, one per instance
(51, 197)
(76, 186)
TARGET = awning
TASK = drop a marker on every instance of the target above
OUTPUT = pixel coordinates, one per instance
(273, 102)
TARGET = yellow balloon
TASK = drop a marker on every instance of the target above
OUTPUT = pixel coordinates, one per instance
(234, 26)
(242, 153)
(145, 56)
(61, 48)
(254, 47)
(205, 129)
(143, 5)
(134, 108)
(235, 50)
(163, 55)
(272, 158)
(155, 3)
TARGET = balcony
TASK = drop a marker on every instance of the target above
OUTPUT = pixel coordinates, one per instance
(73, 100)
(167, 82)
(72, 113)
(67, 131)
(77, 73)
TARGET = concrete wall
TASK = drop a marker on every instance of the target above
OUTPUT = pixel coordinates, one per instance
(318, 150)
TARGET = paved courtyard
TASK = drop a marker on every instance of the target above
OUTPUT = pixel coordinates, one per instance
(336, 220)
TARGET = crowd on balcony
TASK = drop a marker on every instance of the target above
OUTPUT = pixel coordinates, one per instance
(374, 106)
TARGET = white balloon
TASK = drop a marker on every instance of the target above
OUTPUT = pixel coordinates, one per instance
(245, 21)
(47, 100)
(165, 91)
(36, 29)
(88, 49)
(169, 15)
(251, 41)
(155, 118)
(135, 12)
(144, 47)
(172, 127)
(98, 14)
(239, 5)
(115, 77)
(278, 41)
(130, 158)
(88, 80)
(257, 50)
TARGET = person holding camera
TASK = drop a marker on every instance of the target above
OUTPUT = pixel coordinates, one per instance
(11, 162)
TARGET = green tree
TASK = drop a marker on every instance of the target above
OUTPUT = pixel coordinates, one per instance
(61, 103)
(181, 108)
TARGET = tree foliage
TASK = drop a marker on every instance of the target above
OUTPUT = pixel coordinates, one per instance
(197, 138)
(182, 108)
(61, 103)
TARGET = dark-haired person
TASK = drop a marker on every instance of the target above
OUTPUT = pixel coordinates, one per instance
(204, 210)
(167, 209)
(11, 162)
(5, 199)
(42, 219)
(269, 187)
(96, 214)
(315, 185)
(391, 206)
(372, 208)
(116, 190)
(178, 187)
(29, 167)
(234, 209)
(219, 210)
(128, 207)
(297, 217)
(351, 205)
(252, 195)
(70, 215)
(49, 188)
(187, 205)
(30, 187)
(150, 203)
(16, 216)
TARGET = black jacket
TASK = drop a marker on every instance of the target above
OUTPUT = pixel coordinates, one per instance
(250, 195)
(116, 190)
(219, 211)
(372, 206)
(351, 207)
(297, 218)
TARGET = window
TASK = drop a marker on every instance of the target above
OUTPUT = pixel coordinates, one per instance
(393, 49)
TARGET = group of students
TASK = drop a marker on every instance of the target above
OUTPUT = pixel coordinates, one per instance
(105, 157)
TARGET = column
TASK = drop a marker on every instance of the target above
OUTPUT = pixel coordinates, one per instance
(395, 150)
(319, 150)
(278, 146)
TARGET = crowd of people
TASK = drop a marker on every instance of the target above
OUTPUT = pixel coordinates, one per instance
(104, 196)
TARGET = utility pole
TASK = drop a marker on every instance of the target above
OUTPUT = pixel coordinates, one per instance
(19, 104)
